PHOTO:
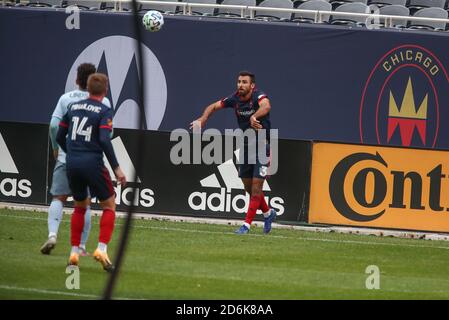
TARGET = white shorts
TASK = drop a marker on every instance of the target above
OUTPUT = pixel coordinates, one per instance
(60, 182)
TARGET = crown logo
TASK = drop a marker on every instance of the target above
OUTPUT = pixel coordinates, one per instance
(407, 118)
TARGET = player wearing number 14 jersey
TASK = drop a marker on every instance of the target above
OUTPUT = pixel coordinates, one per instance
(84, 134)
(60, 189)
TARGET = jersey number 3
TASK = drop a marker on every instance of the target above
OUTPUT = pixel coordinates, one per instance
(79, 129)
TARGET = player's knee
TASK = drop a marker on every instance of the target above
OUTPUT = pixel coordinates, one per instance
(247, 183)
(256, 190)
(108, 203)
(256, 187)
(81, 204)
(61, 198)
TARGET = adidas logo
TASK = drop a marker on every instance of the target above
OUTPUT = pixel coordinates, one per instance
(123, 159)
(11, 187)
(230, 177)
(143, 197)
(224, 201)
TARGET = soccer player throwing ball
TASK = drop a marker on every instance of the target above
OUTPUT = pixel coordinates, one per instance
(252, 108)
(88, 124)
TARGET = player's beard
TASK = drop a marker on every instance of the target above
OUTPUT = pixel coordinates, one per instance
(243, 92)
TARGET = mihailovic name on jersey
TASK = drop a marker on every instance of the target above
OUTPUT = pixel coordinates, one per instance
(87, 107)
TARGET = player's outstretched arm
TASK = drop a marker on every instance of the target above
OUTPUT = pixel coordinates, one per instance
(201, 121)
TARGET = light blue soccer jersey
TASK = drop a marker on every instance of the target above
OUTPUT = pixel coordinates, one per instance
(61, 110)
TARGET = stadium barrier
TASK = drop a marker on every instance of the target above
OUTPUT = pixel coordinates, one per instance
(23, 162)
(319, 182)
(197, 190)
(384, 187)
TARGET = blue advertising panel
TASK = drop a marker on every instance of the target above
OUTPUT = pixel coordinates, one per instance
(324, 82)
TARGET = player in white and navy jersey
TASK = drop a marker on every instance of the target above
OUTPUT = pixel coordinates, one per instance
(84, 133)
(60, 189)
(252, 109)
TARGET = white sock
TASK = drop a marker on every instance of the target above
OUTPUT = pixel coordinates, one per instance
(74, 249)
(266, 214)
(54, 216)
(102, 246)
(247, 225)
(86, 229)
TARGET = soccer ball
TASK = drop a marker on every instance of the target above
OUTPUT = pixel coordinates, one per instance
(153, 20)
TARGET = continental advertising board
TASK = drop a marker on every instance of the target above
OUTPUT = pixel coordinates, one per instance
(384, 187)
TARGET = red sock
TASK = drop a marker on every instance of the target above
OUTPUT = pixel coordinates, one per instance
(106, 225)
(77, 225)
(254, 204)
(263, 204)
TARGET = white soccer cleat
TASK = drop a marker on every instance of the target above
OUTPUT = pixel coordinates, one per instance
(48, 245)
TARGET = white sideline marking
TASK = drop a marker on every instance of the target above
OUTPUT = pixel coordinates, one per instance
(60, 293)
(295, 238)
(323, 229)
(254, 235)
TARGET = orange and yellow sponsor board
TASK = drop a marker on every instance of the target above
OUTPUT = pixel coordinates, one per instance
(370, 186)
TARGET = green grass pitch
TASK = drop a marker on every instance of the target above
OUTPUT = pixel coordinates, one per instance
(175, 260)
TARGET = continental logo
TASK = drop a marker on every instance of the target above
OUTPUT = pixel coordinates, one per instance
(384, 187)
(402, 98)
(384, 181)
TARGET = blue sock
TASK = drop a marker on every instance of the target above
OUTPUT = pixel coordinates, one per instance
(54, 217)
(86, 229)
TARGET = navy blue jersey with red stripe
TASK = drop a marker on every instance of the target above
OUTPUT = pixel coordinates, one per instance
(87, 124)
(245, 109)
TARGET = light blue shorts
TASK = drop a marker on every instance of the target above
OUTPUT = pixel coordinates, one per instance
(60, 182)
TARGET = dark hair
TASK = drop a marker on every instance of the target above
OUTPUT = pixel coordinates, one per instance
(83, 72)
(249, 74)
(97, 84)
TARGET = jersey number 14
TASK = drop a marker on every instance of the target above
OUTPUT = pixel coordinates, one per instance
(79, 129)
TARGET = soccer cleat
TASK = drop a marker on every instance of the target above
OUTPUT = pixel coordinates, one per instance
(74, 259)
(268, 220)
(103, 258)
(48, 245)
(242, 230)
